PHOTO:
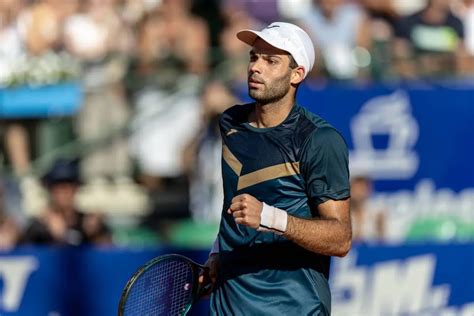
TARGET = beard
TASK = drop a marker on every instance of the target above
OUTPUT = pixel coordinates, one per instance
(272, 91)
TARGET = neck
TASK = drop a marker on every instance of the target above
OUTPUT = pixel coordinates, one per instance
(434, 14)
(271, 114)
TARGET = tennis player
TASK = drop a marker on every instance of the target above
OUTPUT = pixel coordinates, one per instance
(286, 187)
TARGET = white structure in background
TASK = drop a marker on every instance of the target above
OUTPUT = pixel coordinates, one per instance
(163, 125)
(207, 192)
(385, 116)
(404, 7)
(293, 9)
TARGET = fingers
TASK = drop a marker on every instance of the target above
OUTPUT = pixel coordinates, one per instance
(245, 218)
(246, 210)
(204, 277)
(242, 198)
(208, 277)
(213, 274)
(240, 202)
(211, 267)
(240, 217)
(205, 284)
(239, 214)
(237, 206)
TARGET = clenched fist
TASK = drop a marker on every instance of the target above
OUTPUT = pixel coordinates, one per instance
(246, 210)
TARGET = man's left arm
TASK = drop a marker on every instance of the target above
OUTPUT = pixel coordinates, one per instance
(324, 167)
(330, 234)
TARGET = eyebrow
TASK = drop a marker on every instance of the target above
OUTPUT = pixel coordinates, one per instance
(253, 53)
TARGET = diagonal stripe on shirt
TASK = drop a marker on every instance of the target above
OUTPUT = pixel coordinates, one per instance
(268, 173)
(231, 160)
(258, 176)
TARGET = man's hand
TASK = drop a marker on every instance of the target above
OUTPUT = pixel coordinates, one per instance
(56, 225)
(246, 210)
(207, 280)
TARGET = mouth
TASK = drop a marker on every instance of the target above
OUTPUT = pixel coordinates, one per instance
(254, 82)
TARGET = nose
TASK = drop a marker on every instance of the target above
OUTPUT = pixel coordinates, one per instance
(255, 66)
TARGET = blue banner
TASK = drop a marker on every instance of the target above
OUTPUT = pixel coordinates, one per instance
(405, 280)
(40, 102)
(71, 281)
(403, 135)
(417, 145)
(371, 281)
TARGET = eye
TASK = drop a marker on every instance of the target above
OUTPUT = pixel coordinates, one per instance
(273, 61)
(253, 58)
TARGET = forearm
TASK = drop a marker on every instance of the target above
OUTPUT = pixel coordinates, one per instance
(330, 234)
(331, 237)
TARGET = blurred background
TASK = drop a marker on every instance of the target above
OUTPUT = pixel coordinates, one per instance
(110, 149)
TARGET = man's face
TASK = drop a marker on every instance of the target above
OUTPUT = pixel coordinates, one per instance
(328, 6)
(440, 4)
(62, 195)
(269, 73)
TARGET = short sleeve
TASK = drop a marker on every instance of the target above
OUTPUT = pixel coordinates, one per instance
(324, 166)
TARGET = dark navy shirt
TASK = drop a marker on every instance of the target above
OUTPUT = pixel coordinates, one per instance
(293, 166)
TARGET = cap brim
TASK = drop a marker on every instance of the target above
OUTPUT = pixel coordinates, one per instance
(249, 37)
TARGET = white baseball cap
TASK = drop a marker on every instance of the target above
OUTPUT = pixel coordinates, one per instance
(287, 37)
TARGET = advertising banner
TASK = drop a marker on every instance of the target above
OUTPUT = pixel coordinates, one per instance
(417, 145)
(372, 281)
(405, 280)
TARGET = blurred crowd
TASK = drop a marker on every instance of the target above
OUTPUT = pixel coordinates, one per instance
(155, 76)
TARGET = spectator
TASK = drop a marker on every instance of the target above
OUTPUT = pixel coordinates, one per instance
(97, 36)
(11, 46)
(341, 35)
(152, 66)
(468, 20)
(263, 11)
(235, 52)
(186, 35)
(164, 83)
(202, 157)
(368, 224)
(9, 232)
(9, 229)
(11, 43)
(30, 46)
(466, 13)
(430, 42)
(382, 19)
(61, 223)
(17, 145)
(42, 27)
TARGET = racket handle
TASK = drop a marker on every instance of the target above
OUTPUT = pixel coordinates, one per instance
(205, 290)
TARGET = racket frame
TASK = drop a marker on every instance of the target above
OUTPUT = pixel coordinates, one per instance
(195, 294)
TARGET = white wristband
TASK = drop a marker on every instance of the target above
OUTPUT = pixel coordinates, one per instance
(273, 219)
(215, 246)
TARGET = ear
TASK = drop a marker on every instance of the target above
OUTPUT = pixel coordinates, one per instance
(297, 75)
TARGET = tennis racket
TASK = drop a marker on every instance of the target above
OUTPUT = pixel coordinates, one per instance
(165, 285)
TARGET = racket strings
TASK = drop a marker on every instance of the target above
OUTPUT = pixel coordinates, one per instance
(163, 289)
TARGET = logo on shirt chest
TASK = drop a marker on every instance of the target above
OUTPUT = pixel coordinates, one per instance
(231, 131)
(261, 175)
